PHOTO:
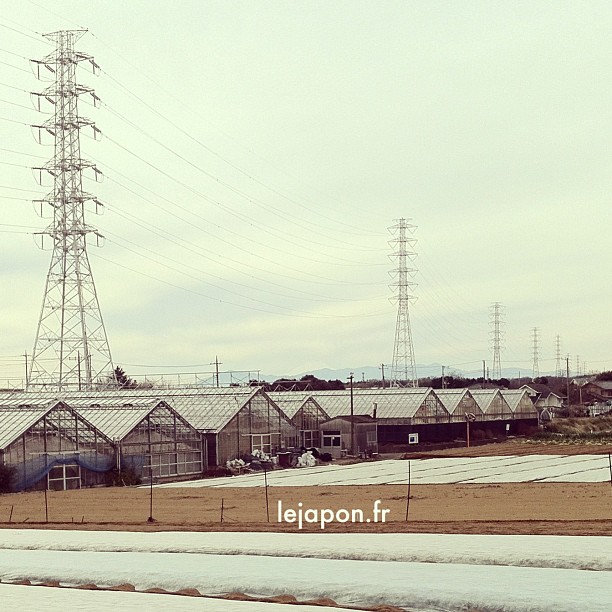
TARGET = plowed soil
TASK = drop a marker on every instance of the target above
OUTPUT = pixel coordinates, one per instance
(523, 508)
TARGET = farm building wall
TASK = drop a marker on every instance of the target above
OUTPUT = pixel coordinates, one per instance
(365, 433)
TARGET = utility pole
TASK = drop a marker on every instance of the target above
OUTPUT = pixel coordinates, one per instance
(567, 381)
(484, 372)
(216, 363)
(496, 316)
(443, 379)
(352, 416)
(403, 368)
(70, 322)
(25, 354)
(382, 368)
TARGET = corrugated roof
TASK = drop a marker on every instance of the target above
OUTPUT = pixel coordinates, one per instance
(18, 417)
(484, 398)
(390, 403)
(205, 408)
(514, 397)
(16, 421)
(112, 416)
(290, 402)
(451, 398)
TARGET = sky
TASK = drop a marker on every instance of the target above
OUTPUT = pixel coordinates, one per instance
(256, 154)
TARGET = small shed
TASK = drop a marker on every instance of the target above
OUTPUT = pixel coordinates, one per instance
(355, 435)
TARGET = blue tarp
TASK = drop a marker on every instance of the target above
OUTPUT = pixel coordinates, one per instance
(35, 469)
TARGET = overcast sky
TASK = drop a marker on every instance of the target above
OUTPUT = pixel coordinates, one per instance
(256, 154)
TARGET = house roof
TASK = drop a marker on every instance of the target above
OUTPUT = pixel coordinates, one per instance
(15, 421)
(602, 384)
(542, 391)
(451, 398)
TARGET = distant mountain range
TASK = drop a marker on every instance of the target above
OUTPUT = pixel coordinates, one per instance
(432, 370)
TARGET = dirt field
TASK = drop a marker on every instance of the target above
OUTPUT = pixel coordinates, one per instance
(525, 508)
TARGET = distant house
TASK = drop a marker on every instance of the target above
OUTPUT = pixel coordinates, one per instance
(546, 402)
(599, 389)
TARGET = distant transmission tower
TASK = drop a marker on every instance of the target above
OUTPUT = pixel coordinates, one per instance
(403, 367)
(71, 349)
(558, 366)
(496, 319)
(535, 351)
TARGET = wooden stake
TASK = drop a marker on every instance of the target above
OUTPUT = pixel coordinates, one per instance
(266, 487)
(11, 515)
(151, 519)
(221, 509)
(46, 507)
(408, 493)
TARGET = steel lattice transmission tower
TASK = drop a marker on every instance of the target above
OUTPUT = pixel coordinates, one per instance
(535, 351)
(71, 349)
(496, 320)
(403, 367)
(558, 367)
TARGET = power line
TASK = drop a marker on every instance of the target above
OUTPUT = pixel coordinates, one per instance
(343, 223)
(225, 209)
(220, 301)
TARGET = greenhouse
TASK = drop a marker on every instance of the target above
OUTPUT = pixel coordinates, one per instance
(398, 412)
(150, 438)
(459, 403)
(492, 403)
(305, 413)
(50, 446)
(236, 421)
